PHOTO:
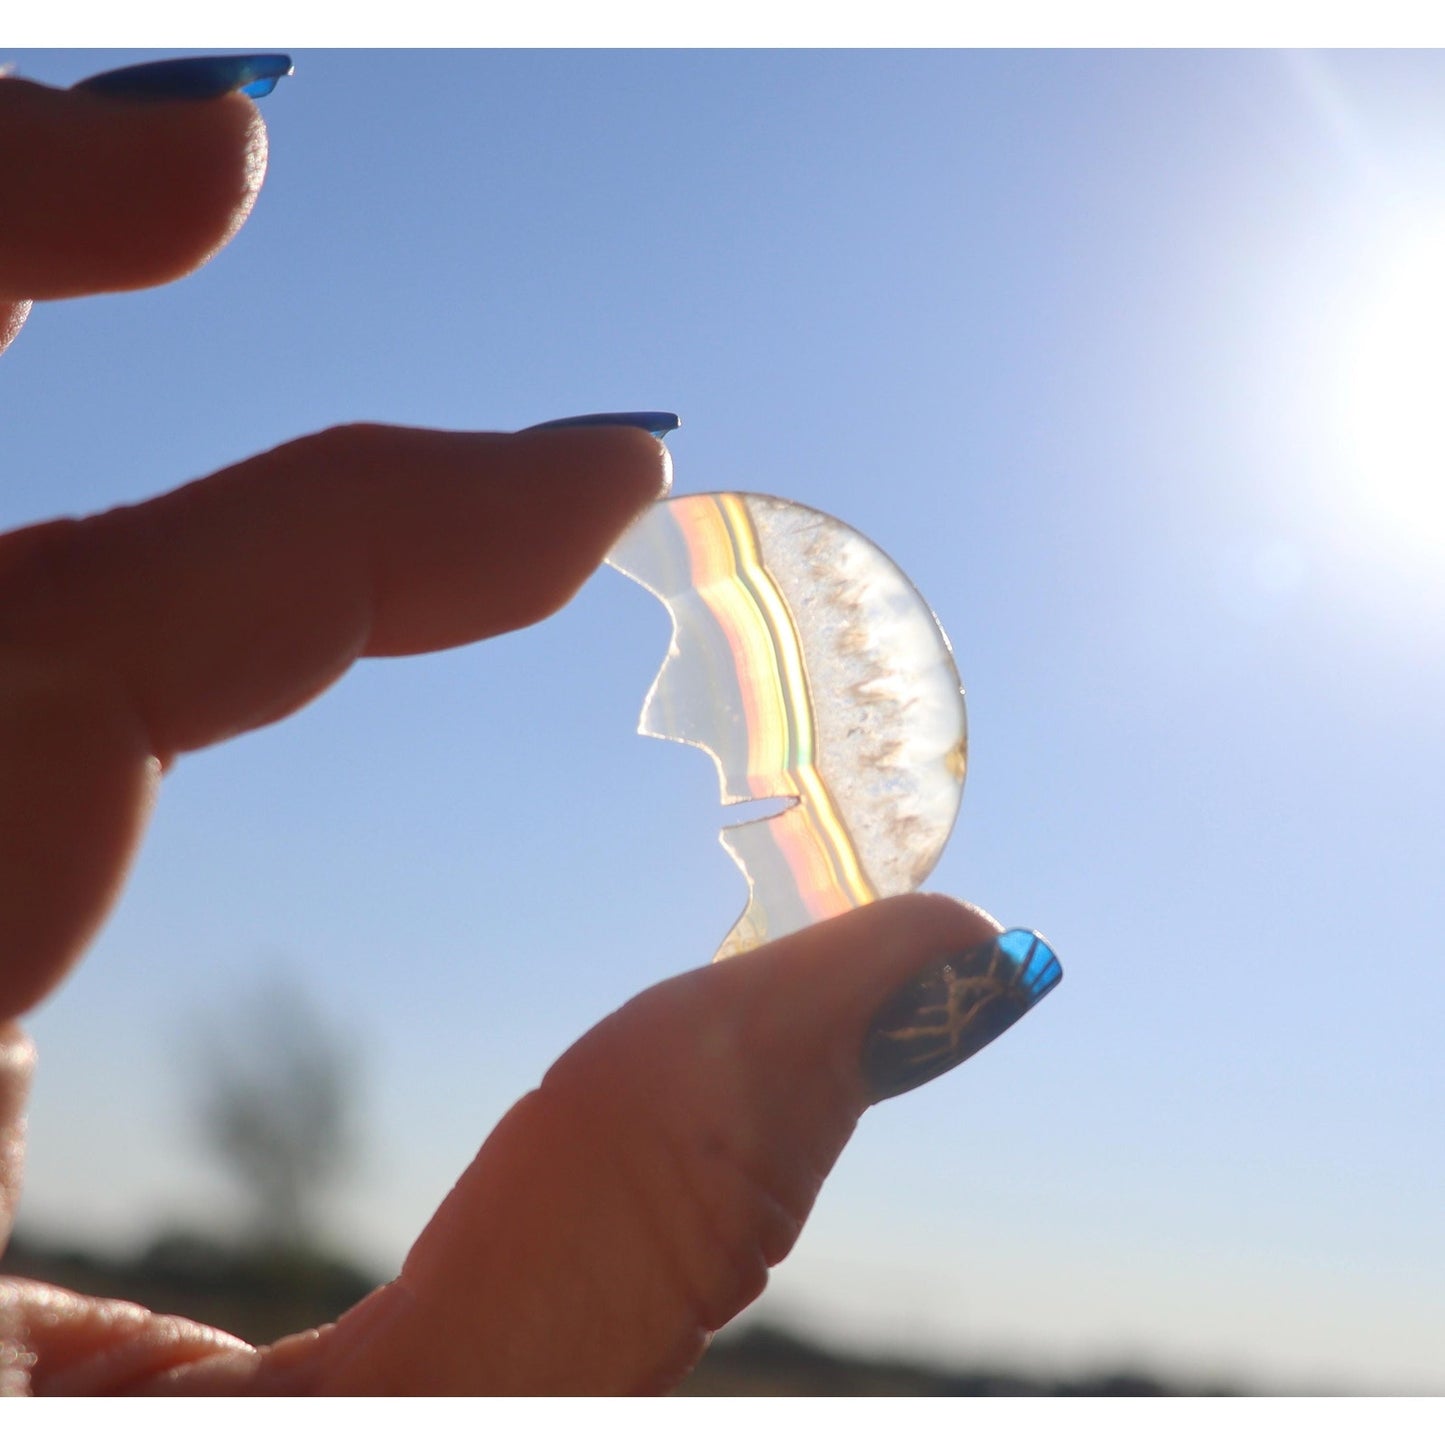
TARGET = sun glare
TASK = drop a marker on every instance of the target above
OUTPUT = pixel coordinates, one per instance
(1394, 404)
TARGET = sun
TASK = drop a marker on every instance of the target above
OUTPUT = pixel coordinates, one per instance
(1393, 407)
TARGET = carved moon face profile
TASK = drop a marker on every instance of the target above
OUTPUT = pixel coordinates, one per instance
(809, 668)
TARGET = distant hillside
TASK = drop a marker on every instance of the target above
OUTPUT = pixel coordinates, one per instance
(262, 1296)
(763, 1360)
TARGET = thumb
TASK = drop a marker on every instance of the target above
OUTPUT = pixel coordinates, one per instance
(636, 1200)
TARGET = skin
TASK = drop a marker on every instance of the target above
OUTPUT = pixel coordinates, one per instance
(636, 1199)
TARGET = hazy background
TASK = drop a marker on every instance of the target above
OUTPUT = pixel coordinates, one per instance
(1132, 361)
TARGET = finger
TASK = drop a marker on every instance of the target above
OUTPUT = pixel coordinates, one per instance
(636, 1201)
(54, 1342)
(12, 318)
(106, 193)
(134, 635)
(17, 1065)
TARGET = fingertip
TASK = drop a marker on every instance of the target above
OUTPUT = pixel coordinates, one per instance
(12, 318)
(17, 1051)
(507, 529)
(625, 465)
(17, 1068)
(578, 491)
(868, 948)
(101, 193)
(969, 916)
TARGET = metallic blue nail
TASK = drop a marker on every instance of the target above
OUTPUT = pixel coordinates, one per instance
(659, 423)
(953, 1009)
(198, 77)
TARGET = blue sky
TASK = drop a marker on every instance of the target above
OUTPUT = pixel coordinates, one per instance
(1082, 341)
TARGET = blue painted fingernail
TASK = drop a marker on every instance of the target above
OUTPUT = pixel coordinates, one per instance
(953, 1009)
(192, 77)
(659, 423)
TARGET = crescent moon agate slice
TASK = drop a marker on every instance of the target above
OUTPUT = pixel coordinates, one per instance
(811, 670)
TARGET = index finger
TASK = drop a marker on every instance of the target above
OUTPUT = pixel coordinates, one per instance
(131, 636)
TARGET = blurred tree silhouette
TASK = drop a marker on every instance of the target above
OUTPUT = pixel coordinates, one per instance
(276, 1090)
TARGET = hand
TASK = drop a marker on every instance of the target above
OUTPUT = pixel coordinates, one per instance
(636, 1199)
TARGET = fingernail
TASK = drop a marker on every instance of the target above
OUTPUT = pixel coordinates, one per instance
(659, 423)
(192, 77)
(953, 1009)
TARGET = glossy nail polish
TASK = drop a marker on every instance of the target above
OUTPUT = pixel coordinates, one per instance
(953, 1009)
(659, 423)
(191, 77)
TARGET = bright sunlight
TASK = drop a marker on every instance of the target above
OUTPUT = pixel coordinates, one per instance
(1394, 404)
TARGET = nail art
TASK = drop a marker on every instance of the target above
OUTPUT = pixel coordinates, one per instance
(659, 423)
(192, 77)
(953, 1009)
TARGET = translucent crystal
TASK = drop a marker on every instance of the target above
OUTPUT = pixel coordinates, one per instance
(811, 670)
